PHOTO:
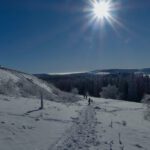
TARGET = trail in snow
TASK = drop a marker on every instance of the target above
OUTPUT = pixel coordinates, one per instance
(82, 134)
(107, 125)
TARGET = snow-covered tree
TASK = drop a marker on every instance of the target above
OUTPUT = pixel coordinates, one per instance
(146, 102)
(111, 91)
(74, 91)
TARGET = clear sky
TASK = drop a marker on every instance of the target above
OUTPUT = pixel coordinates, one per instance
(39, 36)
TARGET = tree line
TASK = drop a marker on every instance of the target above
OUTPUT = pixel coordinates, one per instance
(124, 86)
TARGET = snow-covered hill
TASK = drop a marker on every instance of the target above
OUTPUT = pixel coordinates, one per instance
(16, 83)
(104, 125)
(61, 125)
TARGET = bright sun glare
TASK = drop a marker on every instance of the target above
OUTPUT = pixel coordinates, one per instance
(101, 9)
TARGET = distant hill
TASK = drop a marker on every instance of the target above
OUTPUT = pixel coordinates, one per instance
(115, 71)
(121, 71)
(145, 71)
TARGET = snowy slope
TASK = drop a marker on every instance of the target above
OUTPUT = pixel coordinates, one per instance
(104, 125)
(5, 75)
(16, 83)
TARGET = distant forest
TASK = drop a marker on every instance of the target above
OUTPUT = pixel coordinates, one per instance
(130, 86)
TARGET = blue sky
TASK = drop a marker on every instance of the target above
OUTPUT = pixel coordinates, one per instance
(39, 36)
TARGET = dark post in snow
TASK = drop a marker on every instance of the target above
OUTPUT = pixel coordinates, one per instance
(120, 142)
(42, 103)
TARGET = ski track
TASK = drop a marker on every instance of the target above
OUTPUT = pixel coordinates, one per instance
(82, 134)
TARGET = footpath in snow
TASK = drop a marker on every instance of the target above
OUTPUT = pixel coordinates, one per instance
(107, 125)
(104, 125)
(82, 134)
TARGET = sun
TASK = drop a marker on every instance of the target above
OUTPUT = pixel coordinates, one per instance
(102, 12)
(101, 9)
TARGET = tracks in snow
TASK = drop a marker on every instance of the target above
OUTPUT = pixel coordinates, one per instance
(82, 134)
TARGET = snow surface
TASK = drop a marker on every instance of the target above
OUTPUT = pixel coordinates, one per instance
(38, 130)
(104, 125)
(5, 75)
